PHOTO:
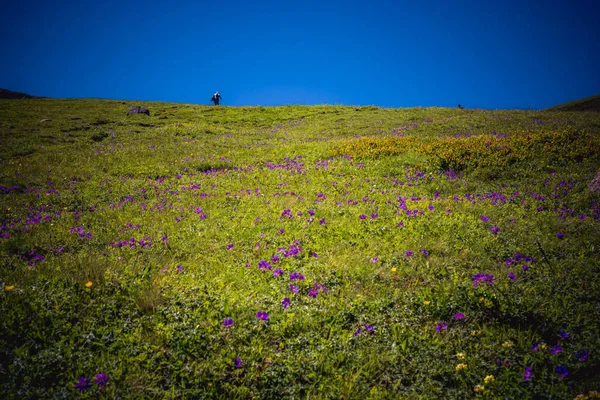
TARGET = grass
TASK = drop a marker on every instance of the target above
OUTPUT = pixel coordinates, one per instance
(127, 241)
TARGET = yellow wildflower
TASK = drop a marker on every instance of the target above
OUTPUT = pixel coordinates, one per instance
(481, 299)
(479, 389)
(508, 343)
(475, 333)
(581, 397)
(461, 356)
(489, 379)
(88, 284)
(427, 302)
(543, 346)
(461, 366)
(394, 269)
(9, 288)
(594, 394)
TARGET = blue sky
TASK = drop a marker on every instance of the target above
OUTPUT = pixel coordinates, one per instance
(481, 54)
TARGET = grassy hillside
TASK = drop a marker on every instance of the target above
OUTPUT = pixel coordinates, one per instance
(292, 252)
(587, 104)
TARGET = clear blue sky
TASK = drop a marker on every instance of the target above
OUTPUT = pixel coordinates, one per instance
(482, 54)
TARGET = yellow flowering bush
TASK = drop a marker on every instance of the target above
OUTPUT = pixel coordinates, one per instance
(483, 151)
(374, 147)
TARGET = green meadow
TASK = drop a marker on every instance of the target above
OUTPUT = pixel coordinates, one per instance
(297, 252)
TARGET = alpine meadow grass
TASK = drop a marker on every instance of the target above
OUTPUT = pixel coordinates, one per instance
(297, 252)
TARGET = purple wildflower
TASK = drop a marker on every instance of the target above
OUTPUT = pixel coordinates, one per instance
(275, 258)
(228, 322)
(322, 221)
(479, 278)
(362, 216)
(525, 267)
(285, 302)
(313, 293)
(83, 384)
(262, 315)
(293, 251)
(180, 268)
(441, 326)
(296, 276)
(277, 273)
(563, 334)
(494, 230)
(311, 212)
(408, 253)
(238, 362)
(374, 260)
(560, 235)
(556, 349)
(374, 215)
(512, 276)
(424, 252)
(293, 289)
(286, 213)
(582, 355)
(357, 332)
(229, 246)
(101, 380)
(369, 328)
(561, 370)
(263, 264)
(484, 218)
(528, 373)
(459, 316)
(315, 255)
(535, 346)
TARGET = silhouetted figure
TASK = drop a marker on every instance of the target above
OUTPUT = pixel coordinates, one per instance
(215, 98)
(461, 107)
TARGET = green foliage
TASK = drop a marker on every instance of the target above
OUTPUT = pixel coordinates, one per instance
(126, 241)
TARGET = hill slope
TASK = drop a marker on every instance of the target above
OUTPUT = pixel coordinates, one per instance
(9, 94)
(587, 104)
(298, 251)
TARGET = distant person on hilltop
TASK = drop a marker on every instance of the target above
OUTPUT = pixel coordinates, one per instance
(461, 107)
(215, 98)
